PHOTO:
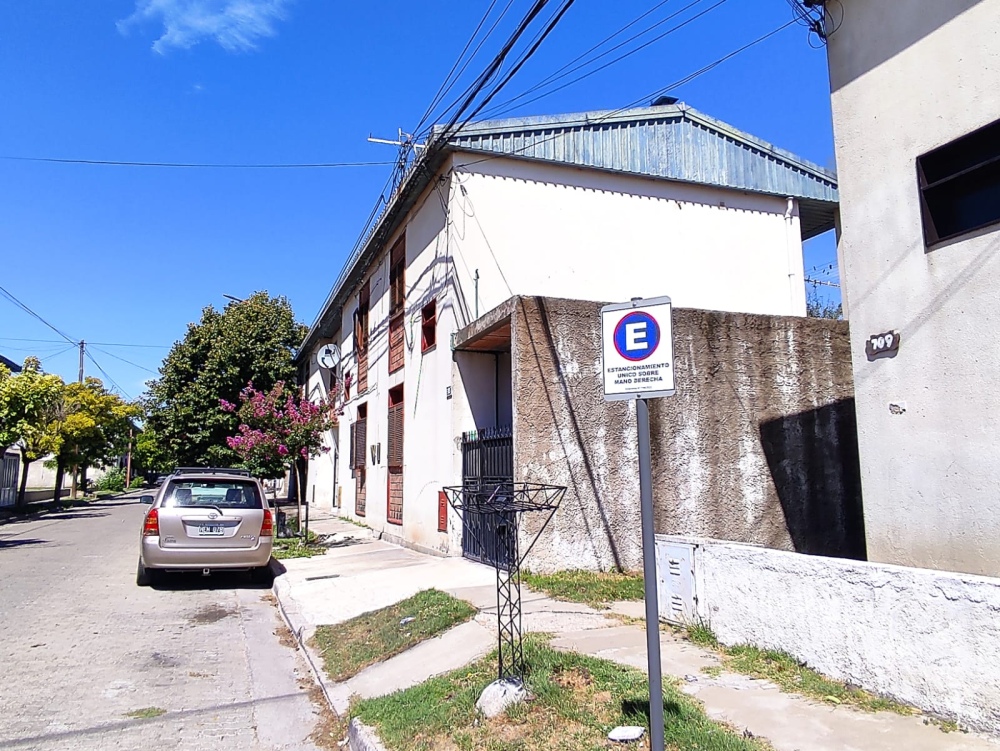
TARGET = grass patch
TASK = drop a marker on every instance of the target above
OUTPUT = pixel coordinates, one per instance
(577, 700)
(296, 547)
(792, 675)
(348, 648)
(592, 587)
(146, 713)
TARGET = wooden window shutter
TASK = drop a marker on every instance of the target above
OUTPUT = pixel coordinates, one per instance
(353, 447)
(361, 444)
(395, 452)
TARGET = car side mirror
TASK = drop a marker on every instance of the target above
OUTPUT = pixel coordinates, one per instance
(146, 499)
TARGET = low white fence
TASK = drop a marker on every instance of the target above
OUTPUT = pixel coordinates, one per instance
(926, 638)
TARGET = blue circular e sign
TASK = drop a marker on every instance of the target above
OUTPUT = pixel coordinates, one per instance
(637, 336)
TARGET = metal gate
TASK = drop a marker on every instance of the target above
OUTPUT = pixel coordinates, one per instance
(487, 470)
(10, 471)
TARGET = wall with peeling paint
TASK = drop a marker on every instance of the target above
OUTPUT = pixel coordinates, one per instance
(759, 445)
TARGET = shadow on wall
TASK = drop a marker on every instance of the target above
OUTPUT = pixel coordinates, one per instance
(813, 458)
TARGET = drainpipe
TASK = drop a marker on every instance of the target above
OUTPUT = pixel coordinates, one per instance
(794, 253)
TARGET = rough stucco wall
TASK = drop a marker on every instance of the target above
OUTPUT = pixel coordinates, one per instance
(757, 446)
(924, 637)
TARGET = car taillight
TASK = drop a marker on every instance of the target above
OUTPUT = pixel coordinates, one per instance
(152, 526)
(267, 526)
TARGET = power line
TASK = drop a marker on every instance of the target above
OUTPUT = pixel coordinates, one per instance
(559, 74)
(524, 58)
(687, 79)
(821, 283)
(102, 344)
(445, 87)
(128, 362)
(35, 315)
(193, 165)
(105, 374)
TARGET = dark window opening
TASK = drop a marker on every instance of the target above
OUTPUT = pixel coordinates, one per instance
(960, 185)
(428, 326)
(361, 337)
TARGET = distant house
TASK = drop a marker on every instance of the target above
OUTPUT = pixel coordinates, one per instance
(917, 124)
(598, 206)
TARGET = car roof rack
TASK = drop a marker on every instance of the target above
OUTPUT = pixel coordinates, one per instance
(211, 471)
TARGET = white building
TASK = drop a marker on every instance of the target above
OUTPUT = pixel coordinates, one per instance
(917, 125)
(599, 205)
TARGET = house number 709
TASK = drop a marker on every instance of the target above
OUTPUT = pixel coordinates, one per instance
(882, 344)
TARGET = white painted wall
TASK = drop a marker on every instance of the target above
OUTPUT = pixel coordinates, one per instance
(906, 77)
(322, 480)
(924, 637)
(550, 230)
(536, 228)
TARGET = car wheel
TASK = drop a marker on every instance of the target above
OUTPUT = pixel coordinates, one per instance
(142, 577)
(145, 577)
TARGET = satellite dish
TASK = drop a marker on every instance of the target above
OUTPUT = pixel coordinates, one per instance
(328, 356)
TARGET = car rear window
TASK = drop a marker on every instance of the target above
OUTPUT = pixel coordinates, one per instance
(220, 493)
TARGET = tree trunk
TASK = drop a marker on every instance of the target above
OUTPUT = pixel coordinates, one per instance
(297, 470)
(83, 478)
(72, 482)
(25, 462)
(60, 471)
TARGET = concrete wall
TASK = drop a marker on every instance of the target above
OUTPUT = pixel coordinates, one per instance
(923, 637)
(757, 446)
(909, 76)
(546, 229)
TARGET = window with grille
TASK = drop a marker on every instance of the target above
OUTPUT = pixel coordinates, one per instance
(394, 455)
(397, 305)
(960, 185)
(428, 326)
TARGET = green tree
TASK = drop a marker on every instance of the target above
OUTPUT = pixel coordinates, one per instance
(818, 308)
(147, 452)
(29, 410)
(249, 341)
(93, 426)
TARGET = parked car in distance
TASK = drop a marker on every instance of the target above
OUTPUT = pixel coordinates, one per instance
(206, 519)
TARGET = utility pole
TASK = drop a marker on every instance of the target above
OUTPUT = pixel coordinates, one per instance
(83, 349)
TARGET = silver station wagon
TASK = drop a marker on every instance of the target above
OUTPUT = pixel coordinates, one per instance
(206, 519)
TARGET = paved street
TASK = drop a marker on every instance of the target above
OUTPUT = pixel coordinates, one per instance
(83, 647)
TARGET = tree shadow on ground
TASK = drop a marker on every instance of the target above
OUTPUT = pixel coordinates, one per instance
(22, 543)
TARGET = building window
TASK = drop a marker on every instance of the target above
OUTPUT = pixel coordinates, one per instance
(361, 337)
(394, 511)
(960, 185)
(397, 304)
(428, 326)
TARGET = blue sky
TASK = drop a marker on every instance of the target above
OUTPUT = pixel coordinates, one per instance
(130, 255)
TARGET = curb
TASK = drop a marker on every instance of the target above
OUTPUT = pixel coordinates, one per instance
(300, 639)
(362, 737)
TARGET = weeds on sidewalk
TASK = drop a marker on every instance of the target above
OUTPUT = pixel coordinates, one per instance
(576, 701)
(146, 713)
(591, 587)
(348, 648)
(791, 674)
(297, 547)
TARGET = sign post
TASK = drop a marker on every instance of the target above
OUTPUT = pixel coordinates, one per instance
(638, 363)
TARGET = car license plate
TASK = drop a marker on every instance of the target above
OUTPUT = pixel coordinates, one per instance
(210, 530)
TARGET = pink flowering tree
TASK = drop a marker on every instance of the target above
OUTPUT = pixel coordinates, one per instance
(279, 430)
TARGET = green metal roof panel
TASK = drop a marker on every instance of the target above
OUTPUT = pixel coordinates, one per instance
(673, 142)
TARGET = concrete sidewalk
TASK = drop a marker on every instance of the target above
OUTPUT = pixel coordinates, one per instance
(359, 574)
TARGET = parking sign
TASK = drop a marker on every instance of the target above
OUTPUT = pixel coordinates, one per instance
(638, 350)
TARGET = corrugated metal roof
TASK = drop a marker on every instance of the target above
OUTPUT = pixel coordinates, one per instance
(672, 142)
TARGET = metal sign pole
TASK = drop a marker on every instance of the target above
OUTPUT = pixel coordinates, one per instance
(656, 740)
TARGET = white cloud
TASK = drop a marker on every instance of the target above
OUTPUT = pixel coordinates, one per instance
(236, 25)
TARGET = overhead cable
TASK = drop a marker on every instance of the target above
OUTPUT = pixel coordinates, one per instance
(193, 165)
